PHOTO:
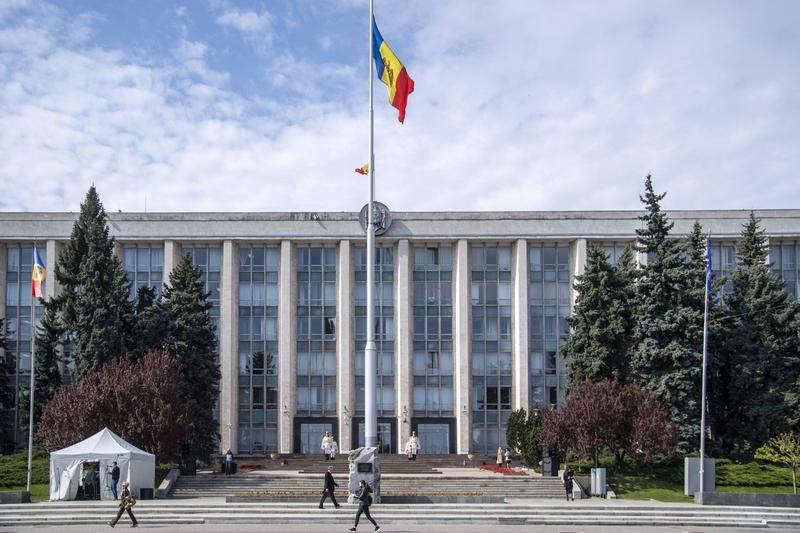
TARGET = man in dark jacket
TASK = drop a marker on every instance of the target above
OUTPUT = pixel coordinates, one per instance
(328, 491)
(114, 479)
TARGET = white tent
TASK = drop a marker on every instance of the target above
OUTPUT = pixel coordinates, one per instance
(136, 466)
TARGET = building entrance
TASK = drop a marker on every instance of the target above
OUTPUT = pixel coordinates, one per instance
(385, 436)
(434, 438)
(311, 437)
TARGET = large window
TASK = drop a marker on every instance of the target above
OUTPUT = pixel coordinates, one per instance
(384, 327)
(491, 346)
(549, 296)
(316, 331)
(144, 266)
(433, 331)
(783, 257)
(613, 250)
(723, 259)
(258, 349)
(19, 263)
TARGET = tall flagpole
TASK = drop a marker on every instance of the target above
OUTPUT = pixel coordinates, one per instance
(705, 349)
(370, 357)
(33, 375)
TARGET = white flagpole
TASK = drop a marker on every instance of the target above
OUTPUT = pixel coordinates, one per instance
(705, 349)
(33, 375)
(370, 357)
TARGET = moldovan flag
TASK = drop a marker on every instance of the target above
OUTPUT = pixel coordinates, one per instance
(37, 275)
(391, 72)
(363, 170)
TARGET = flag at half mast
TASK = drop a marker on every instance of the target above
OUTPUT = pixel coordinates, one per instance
(391, 72)
(38, 274)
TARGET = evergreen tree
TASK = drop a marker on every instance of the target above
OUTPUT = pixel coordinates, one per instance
(757, 352)
(668, 329)
(6, 395)
(151, 325)
(191, 339)
(96, 312)
(48, 357)
(600, 327)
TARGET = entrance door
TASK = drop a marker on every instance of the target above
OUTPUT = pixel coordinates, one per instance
(311, 437)
(434, 438)
(384, 436)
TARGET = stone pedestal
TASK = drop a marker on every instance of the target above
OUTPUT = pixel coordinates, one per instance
(364, 464)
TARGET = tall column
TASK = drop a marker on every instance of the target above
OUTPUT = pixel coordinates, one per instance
(172, 256)
(345, 347)
(461, 348)
(403, 336)
(229, 350)
(519, 283)
(287, 349)
(53, 249)
(578, 266)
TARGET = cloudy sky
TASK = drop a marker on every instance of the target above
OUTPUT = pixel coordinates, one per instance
(229, 105)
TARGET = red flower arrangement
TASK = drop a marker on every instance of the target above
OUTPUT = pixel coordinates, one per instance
(503, 470)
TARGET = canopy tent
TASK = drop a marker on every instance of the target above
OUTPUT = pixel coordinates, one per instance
(135, 466)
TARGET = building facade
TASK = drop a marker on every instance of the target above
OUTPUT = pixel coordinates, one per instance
(470, 315)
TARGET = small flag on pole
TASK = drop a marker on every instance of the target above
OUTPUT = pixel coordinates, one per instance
(37, 274)
(363, 169)
(391, 72)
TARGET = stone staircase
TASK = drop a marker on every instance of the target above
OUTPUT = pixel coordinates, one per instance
(580, 513)
(390, 463)
(215, 485)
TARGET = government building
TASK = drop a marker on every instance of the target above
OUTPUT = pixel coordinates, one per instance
(471, 311)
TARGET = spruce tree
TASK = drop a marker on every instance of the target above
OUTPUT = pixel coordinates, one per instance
(49, 336)
(96, 312)
(191, 339)
(600, 327)
(150, 323)
(758, 350)
(668, 327)
(6, 395)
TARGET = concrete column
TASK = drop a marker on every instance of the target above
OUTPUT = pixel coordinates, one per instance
(119, 250)
(229, 349)
(172, 256)
(519, 330)
(287, 348)
(51, 287)
(461, 345)
(345, 346)
(577, 254)
(403, 342)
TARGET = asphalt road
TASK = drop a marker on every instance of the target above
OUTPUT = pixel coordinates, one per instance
(367, 528)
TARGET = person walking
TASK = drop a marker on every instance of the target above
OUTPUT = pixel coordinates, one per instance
(126, 503)
(114, 479)
(499, 458)
(508, 457)
(568, 482)
(328, 490)
(228, 463)
(364, 501)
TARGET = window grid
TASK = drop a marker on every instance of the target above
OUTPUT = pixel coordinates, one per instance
(144, 267)
(550, 300)
(613, 250)
(19, 264)
(384, 327)
(258, 348)
(316, 331)
(433, 331)
(491, 346)
(783, 257)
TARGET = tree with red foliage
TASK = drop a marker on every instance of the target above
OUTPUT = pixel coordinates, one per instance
(141, 402)
(605, 416)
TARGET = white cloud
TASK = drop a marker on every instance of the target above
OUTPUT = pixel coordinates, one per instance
(533, 106)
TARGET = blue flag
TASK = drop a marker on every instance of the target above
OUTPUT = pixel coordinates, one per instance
(709, 276)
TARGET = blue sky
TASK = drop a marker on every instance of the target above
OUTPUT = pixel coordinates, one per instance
(224, 105)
